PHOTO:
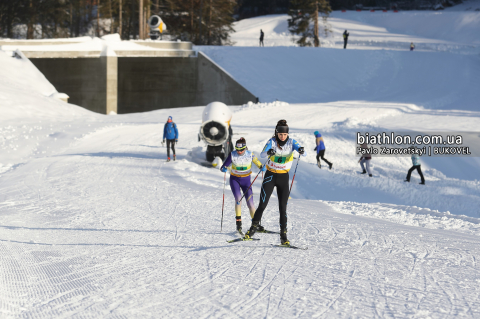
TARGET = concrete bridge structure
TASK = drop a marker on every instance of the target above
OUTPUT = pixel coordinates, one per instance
(148, 75)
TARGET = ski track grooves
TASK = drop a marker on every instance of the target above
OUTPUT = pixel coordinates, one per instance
(77, 241)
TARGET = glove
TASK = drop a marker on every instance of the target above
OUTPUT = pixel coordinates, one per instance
(264, 168)
(315, 148)
(270, 152)
(223, 169)
(163, 143)
(301, 150)
(176, 141)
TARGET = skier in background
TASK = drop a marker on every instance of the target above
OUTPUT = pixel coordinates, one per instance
(416, 166)
(320, 148)
(241, 160)
(261, 38)
(345, 39)
(279, 150)
(170, 132)
(412, 46)
(365, 160)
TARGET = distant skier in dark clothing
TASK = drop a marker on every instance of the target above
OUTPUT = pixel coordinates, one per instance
(320, 148)
(261, 38)
(345, 39)
(412, 46)
(365, 162)
(170, 132)
(416, 166)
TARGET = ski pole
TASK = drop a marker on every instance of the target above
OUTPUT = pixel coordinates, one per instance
(293, 176)
(238, 203)
(223, 203)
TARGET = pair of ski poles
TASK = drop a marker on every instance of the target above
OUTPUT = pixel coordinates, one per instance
(224, 182)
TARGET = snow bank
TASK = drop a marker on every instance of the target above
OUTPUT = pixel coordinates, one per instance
(309, 75)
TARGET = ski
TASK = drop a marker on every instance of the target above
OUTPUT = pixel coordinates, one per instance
(241, 239)
(267, 232)
(290, 246)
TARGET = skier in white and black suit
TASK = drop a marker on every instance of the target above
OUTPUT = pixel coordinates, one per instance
(279, 150)
(416, 166)
(365, 162)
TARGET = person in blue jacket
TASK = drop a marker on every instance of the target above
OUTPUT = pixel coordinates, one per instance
(170, 132)
(279, 150)
(320, 148)
(416, 166)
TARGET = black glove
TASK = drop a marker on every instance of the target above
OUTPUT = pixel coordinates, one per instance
(270, 152)
(315, 148)
(301, 150)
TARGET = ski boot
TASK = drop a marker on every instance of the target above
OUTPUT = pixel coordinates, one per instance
(422, 183)
(260, 228)
(252, 230)
(330, 166)
(174, 157)
(364, 171)
(319, 164)
(407, 180)
(168, 159)
(370, 175)
(239, 224)
(283, 237)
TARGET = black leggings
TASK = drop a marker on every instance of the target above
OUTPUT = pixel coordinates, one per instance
(269, 182)
(168, 147)
(419, 170)
(320, 156)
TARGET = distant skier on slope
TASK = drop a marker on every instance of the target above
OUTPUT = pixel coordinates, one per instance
(412, 46)
(345, 39)
(170, 132)
(279, 150)
(365, 160)
(320, 148)
(261, 38)
(416, 166)
(241, 160)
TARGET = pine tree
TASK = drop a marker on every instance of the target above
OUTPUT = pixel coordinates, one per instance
(199, 21)
(302, 14)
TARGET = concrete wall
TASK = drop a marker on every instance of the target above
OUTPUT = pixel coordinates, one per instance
(147, 84)
(83, 79)
(143, 83)
(215, 84)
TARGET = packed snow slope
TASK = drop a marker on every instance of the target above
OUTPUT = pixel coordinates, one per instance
(101, 226)
(441, 73)
(429, 30)
(96, 224)
(436, 80)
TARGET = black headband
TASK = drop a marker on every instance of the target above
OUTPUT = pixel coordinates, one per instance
(281, 129)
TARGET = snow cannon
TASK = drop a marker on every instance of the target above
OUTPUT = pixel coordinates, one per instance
(157, 27)
(216, 131)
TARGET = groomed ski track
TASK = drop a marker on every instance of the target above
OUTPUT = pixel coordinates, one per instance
(106, 228)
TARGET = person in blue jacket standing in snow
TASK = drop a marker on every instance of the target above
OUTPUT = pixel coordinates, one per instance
(170, 132)
(320, 148)
(279, 150)
(416, 166)
(241, 168)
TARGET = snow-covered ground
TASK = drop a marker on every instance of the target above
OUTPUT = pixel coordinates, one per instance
(453, 31)
(94, 223)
